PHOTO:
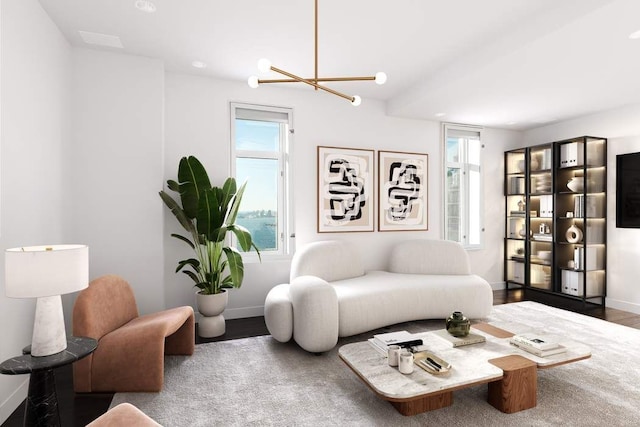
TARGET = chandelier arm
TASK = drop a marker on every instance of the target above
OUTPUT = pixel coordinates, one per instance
(320, 79)
(312, 83)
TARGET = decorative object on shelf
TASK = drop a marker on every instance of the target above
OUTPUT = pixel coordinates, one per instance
(569, 214)
(457, 324)
(574, 234)
(207, 213)
(544, 228)
(403, 190)
(535, 165)
(45, 273)
(523, 232)
(264, 65)
(544, 256)
(520, 165)
(571, 264)
(576, 184)
(345, 190)
(521, 205)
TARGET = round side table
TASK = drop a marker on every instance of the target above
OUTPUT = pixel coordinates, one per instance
(42, 402)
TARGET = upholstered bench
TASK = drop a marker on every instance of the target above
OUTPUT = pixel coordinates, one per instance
(330, 295)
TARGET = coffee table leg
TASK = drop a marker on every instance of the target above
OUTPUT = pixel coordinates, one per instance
(424, 404)
(517, 389)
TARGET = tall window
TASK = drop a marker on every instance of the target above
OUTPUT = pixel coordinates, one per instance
(261, 149)
(463, 210)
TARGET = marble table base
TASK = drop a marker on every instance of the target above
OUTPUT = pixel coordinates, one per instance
(42, 401)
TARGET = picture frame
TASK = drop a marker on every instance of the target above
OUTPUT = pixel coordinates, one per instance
(628, 190)
(403, 191)
(345, 190)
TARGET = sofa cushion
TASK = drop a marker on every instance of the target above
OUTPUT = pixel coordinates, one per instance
(328, 260)
(380, 298)
(429, 257)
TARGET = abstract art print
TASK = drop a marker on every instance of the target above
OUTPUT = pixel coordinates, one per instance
(403, 191)
(345, 190)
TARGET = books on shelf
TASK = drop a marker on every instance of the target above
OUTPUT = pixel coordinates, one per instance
(538, 345)
(545, 237)
(459, 341)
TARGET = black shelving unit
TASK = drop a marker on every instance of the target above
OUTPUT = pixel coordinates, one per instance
(560, 254)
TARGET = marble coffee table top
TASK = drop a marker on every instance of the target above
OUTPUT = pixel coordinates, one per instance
(470, 364)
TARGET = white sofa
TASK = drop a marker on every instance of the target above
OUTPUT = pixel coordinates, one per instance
(331, 296)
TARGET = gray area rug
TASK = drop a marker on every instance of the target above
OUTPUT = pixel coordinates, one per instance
(259, 381)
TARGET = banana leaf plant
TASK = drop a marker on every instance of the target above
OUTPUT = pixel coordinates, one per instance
(207, 213)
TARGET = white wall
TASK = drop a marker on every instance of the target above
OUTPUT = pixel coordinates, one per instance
(34, 95)
(197, 122)
(622, 128)
(115, 168)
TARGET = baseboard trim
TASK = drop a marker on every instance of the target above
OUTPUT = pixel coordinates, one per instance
(13, 401)
(623, 305)
(497, 286)
(241, 313)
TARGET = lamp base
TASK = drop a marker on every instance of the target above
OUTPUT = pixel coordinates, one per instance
(49, 336)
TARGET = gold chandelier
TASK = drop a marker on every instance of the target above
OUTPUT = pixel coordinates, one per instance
(264, 66)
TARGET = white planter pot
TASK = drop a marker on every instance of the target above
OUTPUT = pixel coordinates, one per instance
(211, 323)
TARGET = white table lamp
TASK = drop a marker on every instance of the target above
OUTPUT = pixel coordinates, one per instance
(46, 272)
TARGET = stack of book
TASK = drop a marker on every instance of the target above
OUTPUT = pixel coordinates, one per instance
(538, 345)
(402, 338)
(469, 339)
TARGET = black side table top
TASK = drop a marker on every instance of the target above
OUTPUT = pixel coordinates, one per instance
(77, 348)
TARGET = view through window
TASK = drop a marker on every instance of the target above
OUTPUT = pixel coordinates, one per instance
(261, 142)
(463, 185)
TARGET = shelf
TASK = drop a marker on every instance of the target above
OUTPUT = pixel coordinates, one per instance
(546, 193)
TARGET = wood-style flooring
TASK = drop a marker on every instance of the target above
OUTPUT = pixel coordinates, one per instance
(80, 409)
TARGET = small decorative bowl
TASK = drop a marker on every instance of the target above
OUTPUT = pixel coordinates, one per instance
(576, 184)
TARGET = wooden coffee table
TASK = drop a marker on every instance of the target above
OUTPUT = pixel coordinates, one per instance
(511, 373)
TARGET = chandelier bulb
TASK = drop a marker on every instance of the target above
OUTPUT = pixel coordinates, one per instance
(253, 82)
(264, 65)
(356, 101)
(381, 78)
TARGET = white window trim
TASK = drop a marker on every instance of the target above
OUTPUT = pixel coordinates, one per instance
(285, 184)
(479, 129)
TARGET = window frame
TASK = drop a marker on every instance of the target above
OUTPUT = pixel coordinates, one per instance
(285, 235)
(465, 168)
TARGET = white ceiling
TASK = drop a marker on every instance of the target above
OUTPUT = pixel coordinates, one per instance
(500, 63)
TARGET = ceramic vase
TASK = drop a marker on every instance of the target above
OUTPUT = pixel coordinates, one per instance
(573, 234)
(457, 324)
(211, 323)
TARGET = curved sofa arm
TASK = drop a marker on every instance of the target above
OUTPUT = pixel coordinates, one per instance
(315, 313)
(278, 313)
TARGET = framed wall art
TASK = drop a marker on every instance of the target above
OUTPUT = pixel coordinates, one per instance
(403, 185)
(345, 190)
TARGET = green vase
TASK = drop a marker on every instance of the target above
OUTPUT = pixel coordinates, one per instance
(458, 325)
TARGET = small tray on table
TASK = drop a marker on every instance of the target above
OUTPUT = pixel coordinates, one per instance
(431, 363)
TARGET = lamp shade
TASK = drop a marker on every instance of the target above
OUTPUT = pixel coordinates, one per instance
(42, 271)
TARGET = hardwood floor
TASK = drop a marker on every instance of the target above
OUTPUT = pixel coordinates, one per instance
(80, 409)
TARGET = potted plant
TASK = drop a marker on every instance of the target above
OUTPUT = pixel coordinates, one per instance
(207, 213)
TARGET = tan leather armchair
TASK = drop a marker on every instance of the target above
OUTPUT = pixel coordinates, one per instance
(131, 348)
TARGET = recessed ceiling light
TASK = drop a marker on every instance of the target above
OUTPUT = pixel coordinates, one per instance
(145, 6)
(440, 114)
(635, 35)
(100, 39)
(199, 64)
